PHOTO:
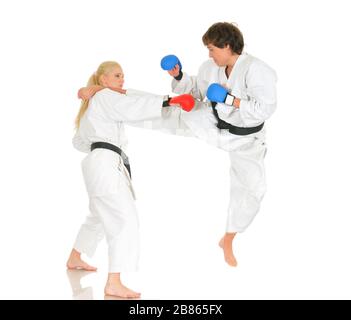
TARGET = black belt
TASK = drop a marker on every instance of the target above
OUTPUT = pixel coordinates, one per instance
(240, 131)
(109, 146)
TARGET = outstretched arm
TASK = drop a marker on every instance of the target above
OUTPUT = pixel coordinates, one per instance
(86, 93)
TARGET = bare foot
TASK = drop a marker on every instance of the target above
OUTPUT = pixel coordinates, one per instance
(114, 287)
(75, 262)
(226, 245)
(119, 290)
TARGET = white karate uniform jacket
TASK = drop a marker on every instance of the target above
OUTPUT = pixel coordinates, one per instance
(111, 196)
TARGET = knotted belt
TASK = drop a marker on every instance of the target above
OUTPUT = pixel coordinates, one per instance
(109, 146)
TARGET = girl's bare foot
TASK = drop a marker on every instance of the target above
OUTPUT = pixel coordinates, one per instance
(114, 287)
(226, 245)
(119, 290)
(75, 262)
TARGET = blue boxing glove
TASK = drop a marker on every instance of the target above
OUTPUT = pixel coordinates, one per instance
(217, 93)
(169, 62)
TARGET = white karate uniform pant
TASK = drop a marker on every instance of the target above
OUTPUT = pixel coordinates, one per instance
(247, 184)
(112, 211)
(246, 153)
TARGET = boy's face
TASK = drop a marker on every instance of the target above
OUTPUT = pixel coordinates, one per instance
(221, 56)
(113, 79)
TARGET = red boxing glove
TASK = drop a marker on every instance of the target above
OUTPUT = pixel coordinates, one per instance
(186, 101)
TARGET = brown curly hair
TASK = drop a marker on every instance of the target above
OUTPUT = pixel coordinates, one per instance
(222, 34)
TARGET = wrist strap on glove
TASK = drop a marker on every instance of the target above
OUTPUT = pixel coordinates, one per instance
(179, 76)
(166, 102)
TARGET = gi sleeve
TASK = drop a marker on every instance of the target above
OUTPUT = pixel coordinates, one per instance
(80, 144)
(261, 92)
(120, 107)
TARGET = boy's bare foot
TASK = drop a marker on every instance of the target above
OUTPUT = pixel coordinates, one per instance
(226, 245)
(114, 287)
(75, 262)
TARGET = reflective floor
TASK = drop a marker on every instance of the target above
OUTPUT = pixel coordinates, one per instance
(82, 288)
(79, 291)
(177, 280)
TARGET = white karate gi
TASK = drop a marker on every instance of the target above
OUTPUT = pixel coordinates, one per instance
(254, 82)
(111, 197)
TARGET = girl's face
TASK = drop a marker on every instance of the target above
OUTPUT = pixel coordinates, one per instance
(221, 56)
(113, 79)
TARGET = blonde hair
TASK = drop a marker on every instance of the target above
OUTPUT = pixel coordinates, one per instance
(94, 79)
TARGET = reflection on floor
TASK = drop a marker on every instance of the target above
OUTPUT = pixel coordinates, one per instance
(78, 292)
(75, 278)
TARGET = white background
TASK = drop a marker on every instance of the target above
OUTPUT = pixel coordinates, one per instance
(298, 247)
